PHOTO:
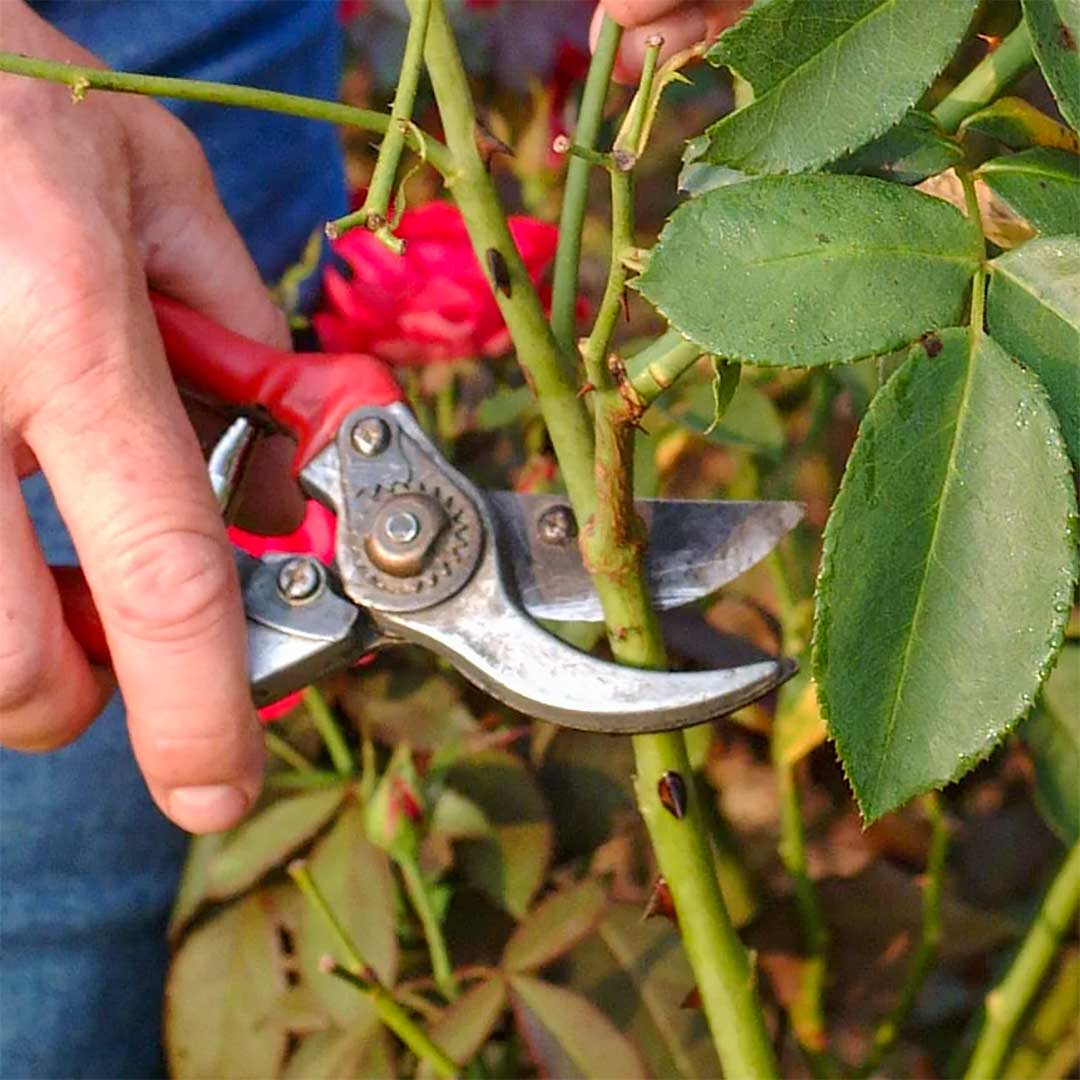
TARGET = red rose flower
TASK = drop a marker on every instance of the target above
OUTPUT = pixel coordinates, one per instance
(433, 303)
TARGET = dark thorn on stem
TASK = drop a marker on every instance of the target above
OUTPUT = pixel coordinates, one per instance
(626, 304)
(585, 388)
(674, 798)
(489, 144)
(692, 1000)
(500, 272)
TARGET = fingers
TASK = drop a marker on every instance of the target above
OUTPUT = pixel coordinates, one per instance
(679, 23)
(48, 693)
(128, 477)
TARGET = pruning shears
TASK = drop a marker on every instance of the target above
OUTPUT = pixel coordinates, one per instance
(424, 556)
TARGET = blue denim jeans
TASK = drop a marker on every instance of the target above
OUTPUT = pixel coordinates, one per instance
(88, 866)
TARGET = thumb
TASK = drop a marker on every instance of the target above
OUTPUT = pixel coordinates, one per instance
(190, 249)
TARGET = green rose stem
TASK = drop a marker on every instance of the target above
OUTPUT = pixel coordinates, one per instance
(576, 189)
(724, 974)
(285, 751)
(1008, 1001)
(987, 79)
(357, 974)
(323, 719)
(82, 79)
(420, 898)
(375, 212)
(659, 365)
(888, 1031)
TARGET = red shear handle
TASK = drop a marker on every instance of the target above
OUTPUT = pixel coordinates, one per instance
(309, 394)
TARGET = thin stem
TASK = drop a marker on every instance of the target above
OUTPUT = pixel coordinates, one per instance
(81, 79)
(299, 872)
(1007, 1002)
(807, 1013)
(313, 779)
(657, 367)
(286, 752)
(889, 1030)
(725, 977)
(420, 899)
(1052, 1023)
(987, 79)
(331, 734)
(576, 189)
(376, 208)
(398, 1021)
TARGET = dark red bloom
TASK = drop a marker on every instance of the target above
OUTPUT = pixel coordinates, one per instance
(432, 304)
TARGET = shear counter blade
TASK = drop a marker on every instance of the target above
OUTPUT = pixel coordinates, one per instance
(694, 549)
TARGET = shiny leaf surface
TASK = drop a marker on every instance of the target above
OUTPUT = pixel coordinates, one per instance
(1033, 311)
(947, 570)
(828, 76)
(1054, 26)
(808, 270)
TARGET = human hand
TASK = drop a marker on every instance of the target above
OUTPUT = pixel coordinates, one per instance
(681, 23)
(97, 199)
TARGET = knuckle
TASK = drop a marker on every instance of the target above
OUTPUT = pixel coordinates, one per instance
(170, 585)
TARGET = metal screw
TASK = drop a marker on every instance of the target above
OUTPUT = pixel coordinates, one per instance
(556, 525)
(298, 580)
(370, 436)
(402, 527)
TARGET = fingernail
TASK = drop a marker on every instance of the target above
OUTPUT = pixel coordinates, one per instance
(207, 809)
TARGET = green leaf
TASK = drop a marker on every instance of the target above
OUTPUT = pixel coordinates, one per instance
(947, 570)
(568, 1036)
(361, 1052)
(1040, 185)
(1020, 126)
(1054, 26)
(267, 839)
(908, 153)
(193, 880)
(750, 419)
(1033, 310)
(504, 407)
(805, 270)
(467, 1024)
(511, 863)
(355, 877)
(636, 972)
(1052, 734)
(828, 76)
(555, 926)
(224, 984)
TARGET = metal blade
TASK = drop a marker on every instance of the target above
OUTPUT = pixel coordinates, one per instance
(694, 548)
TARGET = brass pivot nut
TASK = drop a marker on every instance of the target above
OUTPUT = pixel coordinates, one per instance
(404, 534)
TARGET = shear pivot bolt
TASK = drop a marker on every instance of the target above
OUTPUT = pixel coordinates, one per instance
(370, 436)
(298, 580)
(402, 527)
(557, 525)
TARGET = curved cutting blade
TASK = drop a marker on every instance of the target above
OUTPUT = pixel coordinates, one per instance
(695, 547)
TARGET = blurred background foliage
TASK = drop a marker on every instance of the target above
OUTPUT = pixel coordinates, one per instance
(522, 840)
